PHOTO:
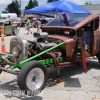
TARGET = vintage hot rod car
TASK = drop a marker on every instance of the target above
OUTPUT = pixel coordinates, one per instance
(61, 43)
(9, 28)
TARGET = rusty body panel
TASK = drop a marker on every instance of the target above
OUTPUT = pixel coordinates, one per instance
(63, 38)
(95, 38)
(71, 46)
(86, 20)
(58, 27)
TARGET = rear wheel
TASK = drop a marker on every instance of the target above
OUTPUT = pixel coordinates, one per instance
(32, 77)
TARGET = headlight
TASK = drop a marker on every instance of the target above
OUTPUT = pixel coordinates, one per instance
(16, 50)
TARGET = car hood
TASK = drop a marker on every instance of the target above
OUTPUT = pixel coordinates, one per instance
(63, 38)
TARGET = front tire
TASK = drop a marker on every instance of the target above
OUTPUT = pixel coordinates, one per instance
(32, 77)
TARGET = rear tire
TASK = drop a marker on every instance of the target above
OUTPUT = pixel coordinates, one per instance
(32, 77)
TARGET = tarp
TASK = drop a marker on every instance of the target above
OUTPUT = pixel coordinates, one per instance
(57, 6)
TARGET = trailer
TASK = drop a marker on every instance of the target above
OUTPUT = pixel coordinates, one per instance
(8, 16)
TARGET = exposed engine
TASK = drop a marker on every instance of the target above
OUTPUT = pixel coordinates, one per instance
(41, 43)
(22, 49)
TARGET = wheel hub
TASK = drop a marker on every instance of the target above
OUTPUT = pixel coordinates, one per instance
(35, 79)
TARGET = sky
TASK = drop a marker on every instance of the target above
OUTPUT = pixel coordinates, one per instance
(4, 3)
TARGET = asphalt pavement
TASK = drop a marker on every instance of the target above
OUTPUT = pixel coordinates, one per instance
(76, 84)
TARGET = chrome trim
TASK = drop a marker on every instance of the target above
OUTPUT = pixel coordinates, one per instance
(23, 44)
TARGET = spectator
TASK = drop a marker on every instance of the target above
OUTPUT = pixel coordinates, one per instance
(38, 25)
(28, 26)
(11, 21)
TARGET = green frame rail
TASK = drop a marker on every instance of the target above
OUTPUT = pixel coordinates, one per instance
(22, 63)
(51, 61)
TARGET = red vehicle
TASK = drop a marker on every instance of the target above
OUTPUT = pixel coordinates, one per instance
(43, 22)
(34, 24)
(17, 22)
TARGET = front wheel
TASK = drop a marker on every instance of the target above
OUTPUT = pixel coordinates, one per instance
(32, 77)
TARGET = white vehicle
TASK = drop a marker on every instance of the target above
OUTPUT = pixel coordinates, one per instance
(8, 16)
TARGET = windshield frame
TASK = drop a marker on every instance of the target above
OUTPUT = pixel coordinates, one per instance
(74, 18)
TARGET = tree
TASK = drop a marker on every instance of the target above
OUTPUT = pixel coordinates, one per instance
(32, 4)
(4, 11)
(88, 3)
(52, 0)
(13, 7)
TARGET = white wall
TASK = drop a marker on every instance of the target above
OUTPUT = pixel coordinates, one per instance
(95, 11)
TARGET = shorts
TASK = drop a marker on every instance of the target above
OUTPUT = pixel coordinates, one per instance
(28, 27)
(39, 26)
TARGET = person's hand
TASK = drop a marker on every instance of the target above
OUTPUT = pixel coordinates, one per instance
(27, 22)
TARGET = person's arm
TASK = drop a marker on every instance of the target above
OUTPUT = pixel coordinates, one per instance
(27, 22)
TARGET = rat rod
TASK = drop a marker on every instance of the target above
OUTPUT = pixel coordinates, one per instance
(60, 44)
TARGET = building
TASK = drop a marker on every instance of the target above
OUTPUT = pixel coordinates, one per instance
(94, 8)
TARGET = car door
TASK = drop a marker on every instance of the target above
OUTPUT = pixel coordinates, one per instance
(95, 39)
(8, 28)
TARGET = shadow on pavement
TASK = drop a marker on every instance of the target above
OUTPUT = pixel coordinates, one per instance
(10, 90)
(65, 74)
(69, 82)
(11, 85)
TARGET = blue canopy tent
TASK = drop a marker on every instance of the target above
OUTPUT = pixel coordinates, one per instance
(57, 7)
